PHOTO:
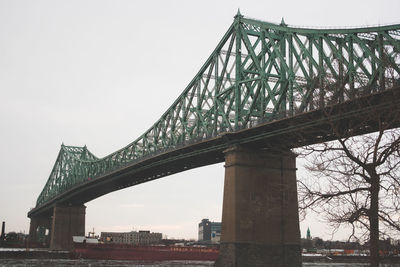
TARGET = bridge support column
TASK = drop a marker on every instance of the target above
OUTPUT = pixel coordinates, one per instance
(37, 229)
(67, 222)
(260, 221)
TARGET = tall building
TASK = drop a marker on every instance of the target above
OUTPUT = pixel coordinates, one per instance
(209, 232)
(134, 238)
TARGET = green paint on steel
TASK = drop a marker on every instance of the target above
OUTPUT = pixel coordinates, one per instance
(259, 72)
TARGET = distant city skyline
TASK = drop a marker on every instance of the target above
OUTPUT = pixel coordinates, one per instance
(100, 73)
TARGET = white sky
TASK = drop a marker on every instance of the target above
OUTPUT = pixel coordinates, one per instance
(100, 73)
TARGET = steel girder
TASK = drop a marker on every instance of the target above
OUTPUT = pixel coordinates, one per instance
(259, 72)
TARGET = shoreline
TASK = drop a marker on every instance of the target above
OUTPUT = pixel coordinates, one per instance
(14, 253)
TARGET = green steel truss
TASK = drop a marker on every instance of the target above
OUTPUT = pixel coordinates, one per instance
(67, 171)
(259, 72)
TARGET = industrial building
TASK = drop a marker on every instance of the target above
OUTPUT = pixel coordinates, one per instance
(133, 237)
(209, 232)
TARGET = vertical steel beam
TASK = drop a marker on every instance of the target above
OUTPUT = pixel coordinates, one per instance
(382, 63)
(311, 72)
(321, 74)
(263, 79)
(238, 69)
(341, 73)
(283, 74)
(350, 68)
(291, 75)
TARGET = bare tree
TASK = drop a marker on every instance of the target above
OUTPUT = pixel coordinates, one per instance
(355, 181)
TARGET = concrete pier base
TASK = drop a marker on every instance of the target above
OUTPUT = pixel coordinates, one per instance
(67, 222)
(260, 221)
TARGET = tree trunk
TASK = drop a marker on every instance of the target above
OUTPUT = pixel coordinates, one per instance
(374, 222)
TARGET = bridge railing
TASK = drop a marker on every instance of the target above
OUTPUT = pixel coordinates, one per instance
(258, 72)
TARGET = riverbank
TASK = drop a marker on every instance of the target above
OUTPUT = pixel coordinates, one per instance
(7, 255)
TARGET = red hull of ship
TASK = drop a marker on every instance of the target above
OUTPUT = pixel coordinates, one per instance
(143, 253)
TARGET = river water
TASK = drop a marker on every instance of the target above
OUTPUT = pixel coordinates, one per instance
(114, 263)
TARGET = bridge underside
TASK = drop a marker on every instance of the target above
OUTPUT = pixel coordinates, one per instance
(351, 118)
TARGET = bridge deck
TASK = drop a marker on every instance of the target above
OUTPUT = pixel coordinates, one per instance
(355, 117)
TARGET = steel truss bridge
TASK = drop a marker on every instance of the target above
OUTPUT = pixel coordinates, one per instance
(263, 84)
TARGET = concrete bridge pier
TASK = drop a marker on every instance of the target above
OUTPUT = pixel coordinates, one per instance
(260, 221)
(67, 221)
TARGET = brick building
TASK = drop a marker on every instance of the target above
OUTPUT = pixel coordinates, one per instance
(133, 237)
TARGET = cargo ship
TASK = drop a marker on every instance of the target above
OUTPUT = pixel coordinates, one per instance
(143, 253)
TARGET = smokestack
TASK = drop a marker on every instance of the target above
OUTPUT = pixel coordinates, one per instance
(3, 229)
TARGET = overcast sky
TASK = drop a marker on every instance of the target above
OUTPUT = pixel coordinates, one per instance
(100, 73)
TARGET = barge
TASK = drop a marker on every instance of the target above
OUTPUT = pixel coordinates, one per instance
(143, 253)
